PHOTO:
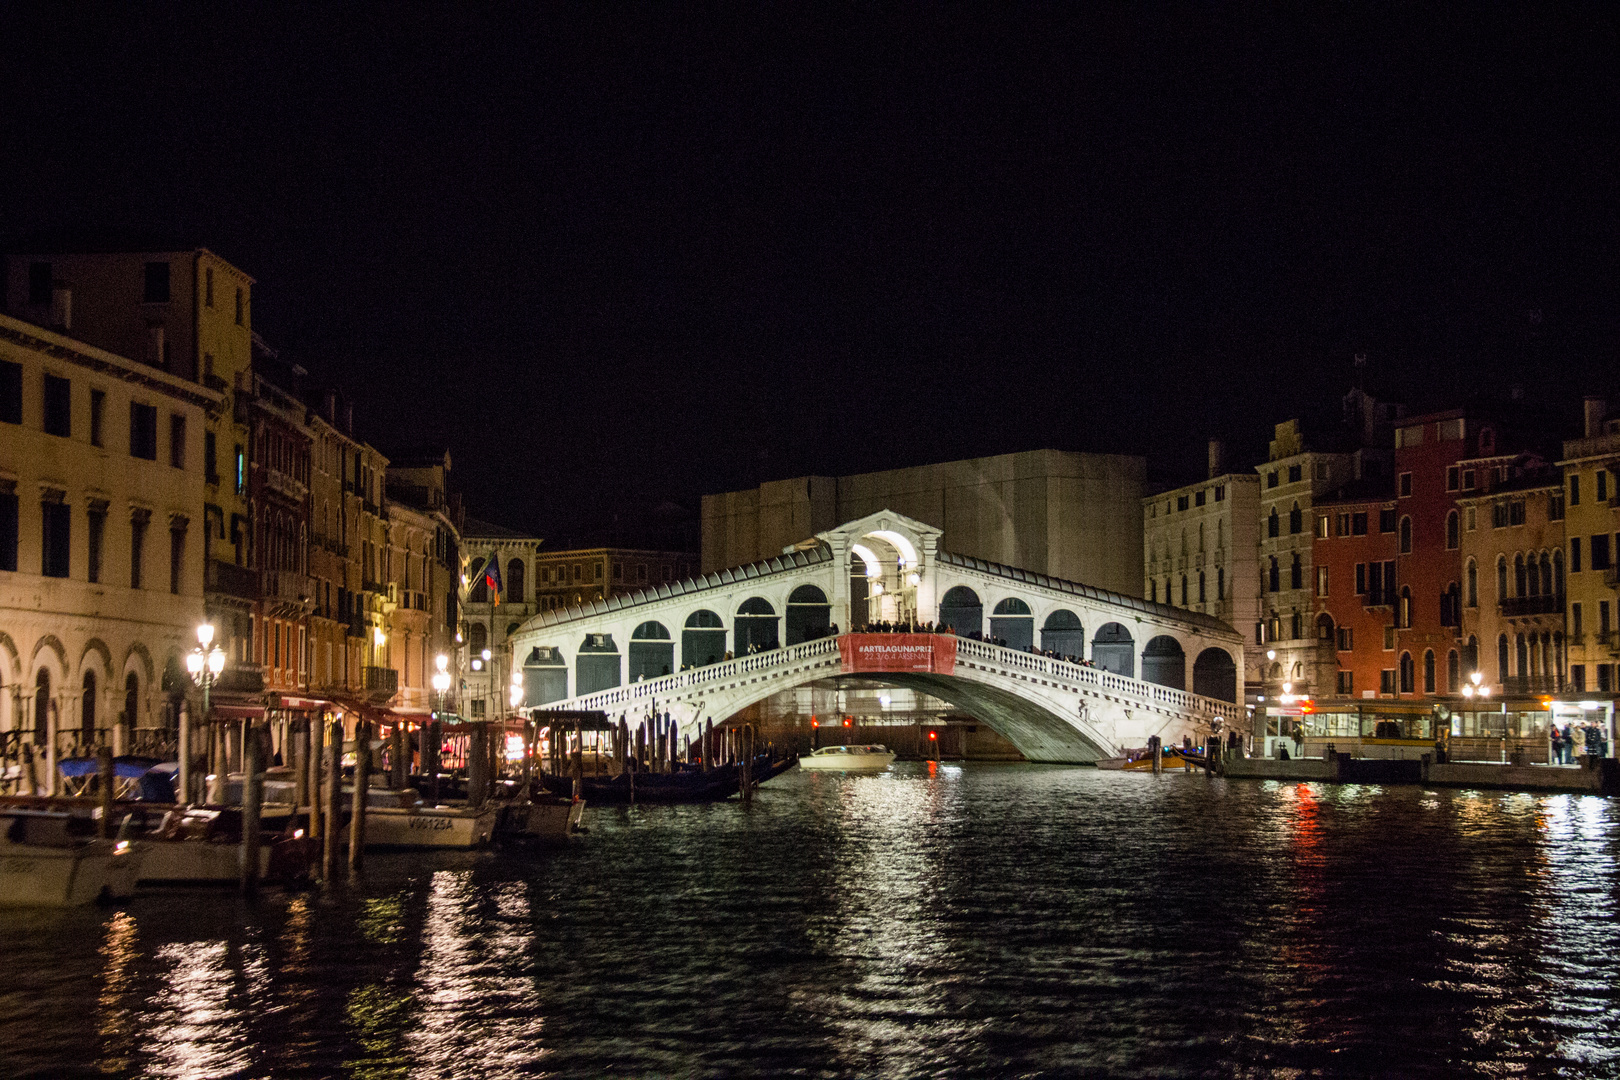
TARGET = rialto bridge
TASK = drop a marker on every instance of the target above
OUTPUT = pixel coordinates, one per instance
(709, 647)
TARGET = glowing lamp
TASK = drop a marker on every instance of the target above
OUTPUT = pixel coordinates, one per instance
(205, 634)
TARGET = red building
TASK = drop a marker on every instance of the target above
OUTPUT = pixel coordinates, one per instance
(1354, 553)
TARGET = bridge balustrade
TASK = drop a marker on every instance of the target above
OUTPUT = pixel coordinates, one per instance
(665, 685)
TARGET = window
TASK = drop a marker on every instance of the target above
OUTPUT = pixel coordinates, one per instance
(1296, 575)
(1386, 681)
(1273, 576)
(1605, 678)
(177, 440)
(1273, 524)
(1220, 492)
(1271, 478)
(1453, 478)
(1407, 673)
(1198, 498)
(1389, 639)
(1294, 474)
(1403, 617)
(1347, 639)
(1181, 502)
(8, 529)
(1386, 521)
(1296, 520)
(1409, 436)
(1453, 539)
(137, 545)
(1375, 584)
(208, 286)
(1602, 485)
(1603, 618)
(1574, 554)
(142, 431)
(1202, 597)
(177, 553)
(1499, 515)
(1471, 519)
(1406, 536)
(641, 578)
(1428, 671)
(157, 283)
(1516, 512)
(1358, 524)
(1183, 590)
(618, 571)
(1346, 683)
(1468, 479)
(58, 406)
(1361, 579)
(1575, 489)
(1323, 527)
(1406, 485)
(1449, 430)
(1453, 672)
(1220, 583)
(39, 283)
(1555, 506)
(1473, 583)
(98, 406)
(97, 522)
(1600, 552)
(1344, 524)
(10, 392)
(56, 517)
(211, 458)
(240, 470)
(1293, 627)
(1321, 581)
(1577, 676)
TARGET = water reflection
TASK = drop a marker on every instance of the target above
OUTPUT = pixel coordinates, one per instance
(197, 1032)
(116, 1005)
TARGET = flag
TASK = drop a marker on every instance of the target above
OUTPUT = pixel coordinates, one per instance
(492, 578)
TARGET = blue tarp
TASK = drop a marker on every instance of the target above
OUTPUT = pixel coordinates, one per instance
(125, 768)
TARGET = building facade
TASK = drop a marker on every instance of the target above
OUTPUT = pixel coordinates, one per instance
(1591, 475)
(1353, 550)
(102, 498)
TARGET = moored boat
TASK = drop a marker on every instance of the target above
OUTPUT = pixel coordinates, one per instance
(545, 819)
(871, 758)
(45, 862)
(399, 819)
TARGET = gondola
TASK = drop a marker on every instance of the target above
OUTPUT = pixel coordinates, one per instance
(688, 785)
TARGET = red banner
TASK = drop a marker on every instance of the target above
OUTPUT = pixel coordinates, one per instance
(934, 653)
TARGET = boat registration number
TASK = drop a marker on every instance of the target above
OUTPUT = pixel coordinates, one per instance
(431, 824)
(16, 866)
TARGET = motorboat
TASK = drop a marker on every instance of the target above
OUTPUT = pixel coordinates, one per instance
(545, 819)
(871, 758)
(1171, 757)
(399, 819)
(203, 846)
(47, 861)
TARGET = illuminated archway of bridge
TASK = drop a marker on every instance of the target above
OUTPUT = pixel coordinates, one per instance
(892, 568)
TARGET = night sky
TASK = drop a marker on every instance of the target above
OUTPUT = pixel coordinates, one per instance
(616, 255)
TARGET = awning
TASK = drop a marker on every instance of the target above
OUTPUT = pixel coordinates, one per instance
(303, 704)
(237, 712)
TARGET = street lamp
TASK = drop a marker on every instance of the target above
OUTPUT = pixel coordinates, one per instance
(204, 664)
(515, 694)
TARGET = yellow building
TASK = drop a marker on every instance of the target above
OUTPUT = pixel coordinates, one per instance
(102, 499)
(1592, 524)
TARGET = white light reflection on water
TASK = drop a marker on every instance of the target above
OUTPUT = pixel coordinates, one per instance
(885, 927)
(197, 1033)
(474, 985)
(1577, 907)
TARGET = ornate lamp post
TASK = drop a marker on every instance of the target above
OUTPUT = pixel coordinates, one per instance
(430, 734)
(204, 664)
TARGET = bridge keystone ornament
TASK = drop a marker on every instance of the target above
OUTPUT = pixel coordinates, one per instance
(746, 633)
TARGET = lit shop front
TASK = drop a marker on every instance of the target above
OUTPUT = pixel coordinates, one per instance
(1508, 729)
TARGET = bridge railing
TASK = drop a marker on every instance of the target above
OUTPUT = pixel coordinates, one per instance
(620, 697)
(1099, 677)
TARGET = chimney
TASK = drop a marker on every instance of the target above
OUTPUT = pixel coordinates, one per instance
(62, 307)
(1593, 409)
(331, 407)
(1217, 458)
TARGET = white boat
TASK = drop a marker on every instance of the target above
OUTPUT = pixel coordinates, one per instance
(398, 819)
(871, 758)
(44, 864)
(203, 845)
(543, 820)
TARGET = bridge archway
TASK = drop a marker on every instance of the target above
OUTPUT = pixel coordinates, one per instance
(703, 639)
(597, 665)
(1215, 675)
(1014, 623)
(1113, 649)
(963, 611)
(755, 626)
(1063, 634)
(808, 614)
(1165, 662)
(652, 651)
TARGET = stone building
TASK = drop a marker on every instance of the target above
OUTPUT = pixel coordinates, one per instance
(1591, 466)
(1070, 515)
(1199, 546)
(102, 495)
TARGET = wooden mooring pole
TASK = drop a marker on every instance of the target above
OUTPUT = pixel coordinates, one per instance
(332, 751)
(252, 805)
(362, 784)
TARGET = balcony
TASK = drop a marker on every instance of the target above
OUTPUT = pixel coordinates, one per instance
(231, 580)
(1532, 605)
(381, 683)
(288, 592)
(1532, 684)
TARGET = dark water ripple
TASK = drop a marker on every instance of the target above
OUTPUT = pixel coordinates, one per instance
(992, 921)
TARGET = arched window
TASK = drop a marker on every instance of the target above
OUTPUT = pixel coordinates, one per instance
(1324, 628)
(477, 638)
(1522, 654)
(516, 585)
(1558, 572)
(1296, 574)
(1201, 590)
(1272, 523)
(1183, 590)
(1546, 574)
(1501, 658)
(1220, 583)
(1473, 583)
(1153, 590)
(1404, 616)
(1453, 672)
(1518, 576)
(42, 706)
(132, 701)
(1471, 654)
(1294, 627)
(1296, 520)
(1274, 576)
(87, 710)
(1501, 578)
(1407, 680)
(1452, 538)
(1428, 671)
(1406, 536)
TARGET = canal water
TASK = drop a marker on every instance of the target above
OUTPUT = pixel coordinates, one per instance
(937, 921)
